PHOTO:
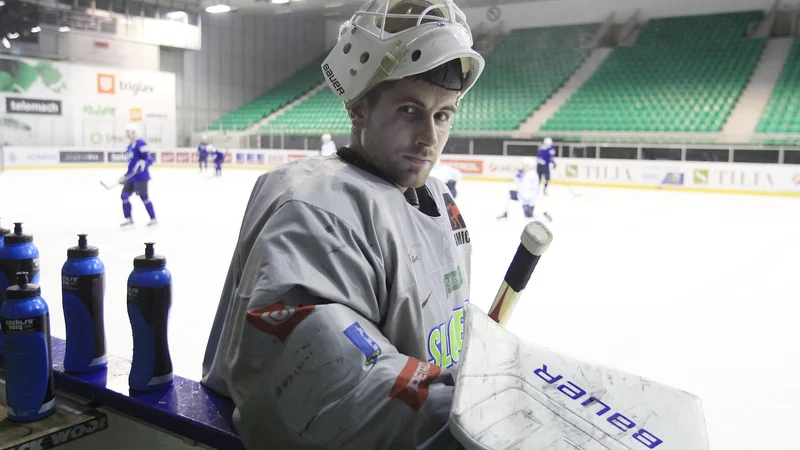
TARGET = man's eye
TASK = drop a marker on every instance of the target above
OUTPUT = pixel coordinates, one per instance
(408, 109)
(444, 117)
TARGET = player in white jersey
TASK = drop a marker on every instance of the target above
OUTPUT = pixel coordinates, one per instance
(526, 192)
(449, 175)
(341, 319)
(328, 146)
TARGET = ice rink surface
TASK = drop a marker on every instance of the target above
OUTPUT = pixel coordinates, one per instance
(698, 291)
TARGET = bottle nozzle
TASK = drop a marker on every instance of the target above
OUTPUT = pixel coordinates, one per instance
(149, 251)
(22, 279)
(82, 241)
(18, 228)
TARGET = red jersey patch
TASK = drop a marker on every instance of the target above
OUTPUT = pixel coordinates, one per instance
(411, 386)
(277, 319)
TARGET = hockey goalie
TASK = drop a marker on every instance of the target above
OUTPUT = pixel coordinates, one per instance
(345, 321)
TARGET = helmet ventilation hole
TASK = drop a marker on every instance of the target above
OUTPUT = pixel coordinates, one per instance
(364, 57)
(346, 48)
(415, 56)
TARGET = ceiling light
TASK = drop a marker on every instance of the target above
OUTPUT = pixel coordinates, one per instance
(36, 29)
(6, 44)
(176, 15)
(63, 29)
(2, 3)
(280, 2)
(12, 35)
(216, 9)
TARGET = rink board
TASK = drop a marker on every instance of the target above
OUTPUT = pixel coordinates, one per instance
(691, 176)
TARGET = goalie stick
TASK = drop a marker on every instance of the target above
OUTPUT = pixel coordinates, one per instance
(535, 240)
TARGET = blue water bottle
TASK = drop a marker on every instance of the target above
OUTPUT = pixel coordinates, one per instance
(149, 301)
(18, 254)
(25, 323)
(82, 289)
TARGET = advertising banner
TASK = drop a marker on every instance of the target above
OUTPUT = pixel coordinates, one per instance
(30, 156)
(72, 156)
(64, 104)
(35, 96)
(110, 98)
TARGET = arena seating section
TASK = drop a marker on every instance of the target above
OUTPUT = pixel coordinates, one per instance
(284, 93)
(524, 69)
(320, 113)
(522, 72)
(684, 74)
(782, 113)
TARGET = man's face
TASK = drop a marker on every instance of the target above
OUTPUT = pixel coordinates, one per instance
(405, 129)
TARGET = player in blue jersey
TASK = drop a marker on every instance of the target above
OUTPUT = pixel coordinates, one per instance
(138, 175)
(546, 157)
(219, 158)
(202, 152)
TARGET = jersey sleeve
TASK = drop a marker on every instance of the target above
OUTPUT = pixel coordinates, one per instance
(310, 368)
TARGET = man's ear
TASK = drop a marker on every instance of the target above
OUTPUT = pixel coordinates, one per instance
(358, 113)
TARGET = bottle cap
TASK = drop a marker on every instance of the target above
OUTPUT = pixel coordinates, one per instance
(17, 237)
(23, 288)
(83, 250)
(149, 260)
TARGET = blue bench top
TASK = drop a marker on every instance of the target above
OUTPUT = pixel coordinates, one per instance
(187, 409)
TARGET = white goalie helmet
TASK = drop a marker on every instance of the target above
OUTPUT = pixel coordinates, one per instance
(393, 39)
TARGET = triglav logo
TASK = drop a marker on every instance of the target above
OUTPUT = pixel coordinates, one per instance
(106, 83)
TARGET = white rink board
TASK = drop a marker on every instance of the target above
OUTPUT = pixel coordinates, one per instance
(767, 179)
(694, 176)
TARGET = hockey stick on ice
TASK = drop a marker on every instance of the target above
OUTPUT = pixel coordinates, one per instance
(535, 240)
(116, 183)
(569, 187)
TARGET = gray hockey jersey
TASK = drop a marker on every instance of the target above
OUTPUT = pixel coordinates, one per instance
(341, 319)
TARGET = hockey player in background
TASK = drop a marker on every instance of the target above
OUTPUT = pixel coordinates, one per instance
(137, 177)
(340, 323)
(202, 152)
(546, 158)
(328, 146)
(527, 190)
(449, 175)
(219, 158)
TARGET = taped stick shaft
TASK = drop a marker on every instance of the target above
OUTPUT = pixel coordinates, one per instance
(514, 283)
(535, 240)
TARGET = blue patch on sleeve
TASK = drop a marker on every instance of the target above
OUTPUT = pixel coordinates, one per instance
(363, 342)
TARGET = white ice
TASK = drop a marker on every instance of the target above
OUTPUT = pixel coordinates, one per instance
(698, 291)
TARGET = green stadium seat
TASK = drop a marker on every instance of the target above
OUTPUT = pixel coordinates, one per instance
(685, 74)
(284, 93)
(782, 113)
(522, 72)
